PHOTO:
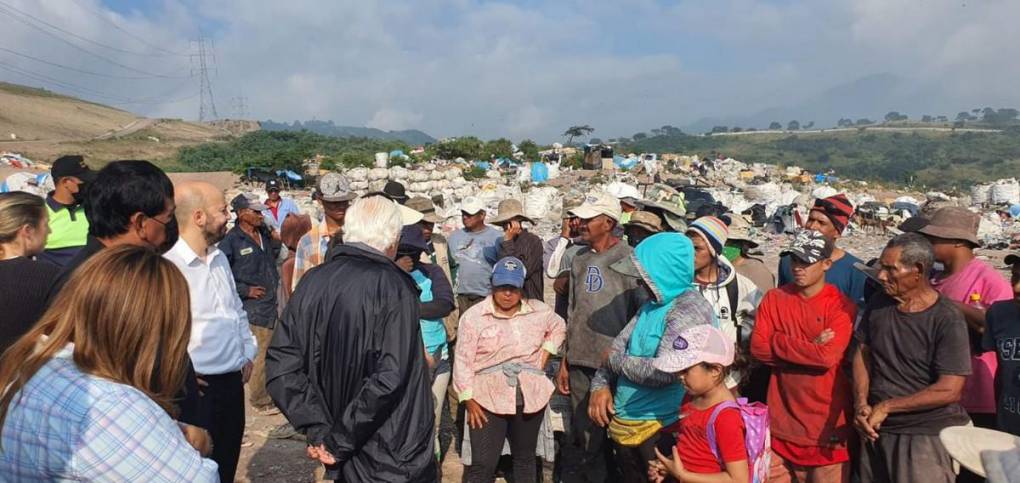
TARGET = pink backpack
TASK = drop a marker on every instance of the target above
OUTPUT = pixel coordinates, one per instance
(757, 439)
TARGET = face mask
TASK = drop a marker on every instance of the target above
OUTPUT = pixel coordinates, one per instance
(79, 196)
(731, 253)
(172, 233)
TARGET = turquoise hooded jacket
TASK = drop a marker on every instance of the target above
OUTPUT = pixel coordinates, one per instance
(666, 264)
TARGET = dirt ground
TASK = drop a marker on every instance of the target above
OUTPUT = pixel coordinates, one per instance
(275, 460)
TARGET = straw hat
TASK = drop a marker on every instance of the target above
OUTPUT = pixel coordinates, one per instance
(966, 443)
(507, 210)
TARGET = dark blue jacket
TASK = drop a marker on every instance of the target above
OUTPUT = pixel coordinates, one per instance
(253, 267)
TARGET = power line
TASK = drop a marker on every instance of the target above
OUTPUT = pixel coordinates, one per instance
(239, 107)
(82, 49)
(205, 56)
(86, 91)
(72, 34)
(66, 85)
(74, 69)
(129, 34)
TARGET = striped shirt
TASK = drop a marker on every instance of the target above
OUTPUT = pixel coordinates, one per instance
(67, 425)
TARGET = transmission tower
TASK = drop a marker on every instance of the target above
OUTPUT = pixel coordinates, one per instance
(204, 60)
(239, 107)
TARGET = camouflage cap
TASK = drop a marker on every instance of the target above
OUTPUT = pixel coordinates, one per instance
(668, 202)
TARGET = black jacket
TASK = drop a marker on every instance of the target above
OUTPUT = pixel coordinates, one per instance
(346, 367)
(529, 248)
(253, 267)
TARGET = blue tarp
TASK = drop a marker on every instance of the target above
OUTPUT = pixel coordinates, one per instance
(483, 164)
(624, 163)
(539, 173)
(289, 174)
(396, 153)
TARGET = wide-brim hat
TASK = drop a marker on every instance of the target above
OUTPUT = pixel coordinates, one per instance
(647, 220)
(509, 209)
(425, 207)
(953, 223)
(966, 443)
(334, 188)
(740, 229)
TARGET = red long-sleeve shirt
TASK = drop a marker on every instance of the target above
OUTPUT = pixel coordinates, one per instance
(809, 394)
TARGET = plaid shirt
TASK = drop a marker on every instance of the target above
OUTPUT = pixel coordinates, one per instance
(68, 425)
(310, 250)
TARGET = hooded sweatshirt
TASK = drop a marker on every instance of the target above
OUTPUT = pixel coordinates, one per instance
(665, 263)
(735, 322)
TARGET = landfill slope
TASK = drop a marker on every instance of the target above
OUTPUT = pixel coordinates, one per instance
(42, 125)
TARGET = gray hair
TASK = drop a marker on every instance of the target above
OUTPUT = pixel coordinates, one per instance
(915, 250)
(374, 221)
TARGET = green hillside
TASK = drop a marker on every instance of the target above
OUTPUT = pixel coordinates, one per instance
(934, 159)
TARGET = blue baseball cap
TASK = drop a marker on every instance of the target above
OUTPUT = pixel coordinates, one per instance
(508, 271)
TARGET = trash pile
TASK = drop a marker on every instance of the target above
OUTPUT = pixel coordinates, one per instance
(15, 160)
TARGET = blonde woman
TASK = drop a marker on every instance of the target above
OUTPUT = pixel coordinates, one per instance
(23, 281)
(88, 391)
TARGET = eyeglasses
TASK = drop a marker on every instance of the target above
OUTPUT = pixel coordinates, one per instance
(164, 223)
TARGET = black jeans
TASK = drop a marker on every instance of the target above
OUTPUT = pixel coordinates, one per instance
(632, 461)
(222, 405)
(590, 440)
(487, 446)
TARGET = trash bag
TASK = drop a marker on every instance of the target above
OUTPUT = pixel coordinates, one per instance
(784, 220)
(539, 173)
(757, 214)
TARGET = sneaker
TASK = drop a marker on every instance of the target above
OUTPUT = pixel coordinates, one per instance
(267, 411)
(285, 431)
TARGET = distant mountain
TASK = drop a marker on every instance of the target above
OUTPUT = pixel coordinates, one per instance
(327, 128)
(867, 97)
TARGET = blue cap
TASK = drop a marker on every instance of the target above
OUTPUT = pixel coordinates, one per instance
(508, 271)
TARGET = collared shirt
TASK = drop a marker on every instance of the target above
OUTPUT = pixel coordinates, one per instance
(311, 250)
(221, 340)
(68, 231)
(286, 207)
(67, 425)
(487, 339)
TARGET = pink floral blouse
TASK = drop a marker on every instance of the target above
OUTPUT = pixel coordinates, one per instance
(486, 340)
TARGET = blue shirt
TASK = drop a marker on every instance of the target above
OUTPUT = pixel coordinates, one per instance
(472, 255)
(287, 206)
(847, 278)
(433, 332)
(68, 425)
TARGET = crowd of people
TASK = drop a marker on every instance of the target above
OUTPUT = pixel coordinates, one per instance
(144, 308)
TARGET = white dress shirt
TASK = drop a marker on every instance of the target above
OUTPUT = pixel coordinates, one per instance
(221, 340)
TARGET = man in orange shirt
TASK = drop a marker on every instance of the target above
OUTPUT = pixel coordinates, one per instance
(802, 331)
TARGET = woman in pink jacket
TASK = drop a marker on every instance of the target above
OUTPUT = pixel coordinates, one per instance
(503, 343)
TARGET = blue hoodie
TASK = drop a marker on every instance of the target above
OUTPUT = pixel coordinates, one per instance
(666, 264)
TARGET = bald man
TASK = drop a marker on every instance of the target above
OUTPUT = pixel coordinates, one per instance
(222, 346)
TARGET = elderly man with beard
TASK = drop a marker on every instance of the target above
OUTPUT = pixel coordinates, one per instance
(222, 346)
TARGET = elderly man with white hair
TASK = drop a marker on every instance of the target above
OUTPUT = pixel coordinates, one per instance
(346, 365)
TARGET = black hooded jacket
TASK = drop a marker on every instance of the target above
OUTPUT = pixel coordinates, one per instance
(346, 367)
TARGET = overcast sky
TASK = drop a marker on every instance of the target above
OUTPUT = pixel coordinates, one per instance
(516, 68)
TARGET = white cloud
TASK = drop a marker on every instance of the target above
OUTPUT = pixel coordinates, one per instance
(453, 67)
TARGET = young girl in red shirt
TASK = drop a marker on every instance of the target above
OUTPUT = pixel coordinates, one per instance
(701, 357)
